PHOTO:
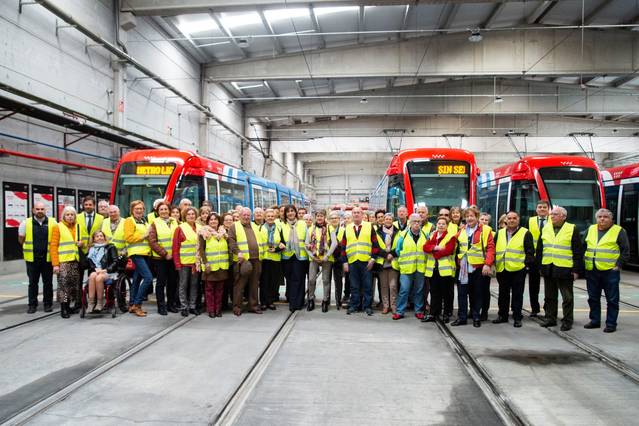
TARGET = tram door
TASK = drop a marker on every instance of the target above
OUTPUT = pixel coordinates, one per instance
(629, 212)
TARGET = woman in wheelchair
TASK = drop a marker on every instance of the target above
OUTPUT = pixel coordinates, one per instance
(103, 267)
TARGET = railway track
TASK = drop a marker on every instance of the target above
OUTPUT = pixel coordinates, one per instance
(498, 399)
(609, 360)
(38, 407)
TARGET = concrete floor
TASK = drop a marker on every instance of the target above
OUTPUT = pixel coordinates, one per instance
(332, 368)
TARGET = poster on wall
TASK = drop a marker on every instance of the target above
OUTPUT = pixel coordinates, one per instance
(84, 193)
(64, 197)
(43, 194)
(15, 205)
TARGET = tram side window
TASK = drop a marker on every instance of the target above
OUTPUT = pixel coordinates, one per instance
(231, 194)
(191, 187)
(270, 198)
(502, 200)
(396, 194)
(523, 199)
(629, 212)
(258, 197)
(488, 202)
(213, 195)
(612, 201)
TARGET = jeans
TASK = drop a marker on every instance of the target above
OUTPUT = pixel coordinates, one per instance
(166, 280)
(34, 270)
(411, 284)
(142, 274)
(361, 285)
(608, 281)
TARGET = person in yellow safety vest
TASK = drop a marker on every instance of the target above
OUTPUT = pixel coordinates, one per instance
(320, 244)
(559, 251)
(455, 220)
(247, 247)
(153, 214)
(176, 214)
(136, 234)
(514, 254)
(360, 249)
(183, 252)
(213, 261)
(103, 208)
(113, 229)
(412, 265)
(607, 248)
(89, 221)
(440, 270)
(271, 276)
(535, 225)
(65, 255)
(402, 218)
(294, 257)
(475, 257)
(337, 267)
(484, 220)
(427, 228)
(34, 234)
(387, 236)
(161, 232)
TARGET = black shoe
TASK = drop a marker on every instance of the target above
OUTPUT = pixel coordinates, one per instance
(185, 313)
(446, 319)
(338, 304)
(173, 309)
(350, 311)
(592, 325)
(369, 311)
(32, 310)
(48, 309)
(476, 323)
(75, 309)
(271, 307)
(483, 318)
(64, 310)
(429, 318)
(162, 310)
(324, 306)
(194, 312)
(500, 320)
(534, 314)
(565, 327)
(609, 329)
(211, 315)
(517, 324)
(310, 305)
(458, 322)
(218, 314)
(547, 324)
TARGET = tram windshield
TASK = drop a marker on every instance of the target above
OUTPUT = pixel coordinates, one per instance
(439, 184)
(576, 189)
(141, 181)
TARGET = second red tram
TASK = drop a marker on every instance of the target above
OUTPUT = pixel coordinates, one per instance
(570, 182)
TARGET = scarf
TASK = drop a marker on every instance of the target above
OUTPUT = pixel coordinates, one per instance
(96, 254)
(321, 244)
(293, 242)
(271, 234)
(388, 241)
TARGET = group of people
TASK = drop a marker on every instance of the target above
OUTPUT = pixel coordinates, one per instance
(200, 259)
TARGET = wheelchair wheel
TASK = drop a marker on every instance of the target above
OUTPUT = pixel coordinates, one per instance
(122, 284)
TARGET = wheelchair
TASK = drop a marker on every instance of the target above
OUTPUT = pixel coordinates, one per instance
(115, 292)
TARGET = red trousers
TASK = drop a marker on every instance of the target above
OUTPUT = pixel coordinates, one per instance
(213, 293)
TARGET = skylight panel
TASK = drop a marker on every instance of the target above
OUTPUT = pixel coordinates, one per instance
(232, 20)
(320, 11)
(197, 26)
(280, 14)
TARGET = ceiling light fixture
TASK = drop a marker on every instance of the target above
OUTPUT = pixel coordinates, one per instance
(243, 43)
(475, 36)
(363, 101)
(498, 99)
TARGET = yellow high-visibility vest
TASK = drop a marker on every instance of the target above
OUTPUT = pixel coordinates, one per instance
(275, 256)
(359, 248)
(189, 245)
(557, 247)
(98, 219)
(510, 255)
(165, 234)
(412, 257)
(533, 227)
(382, 245)
(116, 238)
(217, 254)
(151, 216)
(300, 229)
(476, 251)
(605, 252)
(453, 228)
(141, 248)
(67, 247)
(27, 247)
(427, 229)
(242, 241)
(445, 265)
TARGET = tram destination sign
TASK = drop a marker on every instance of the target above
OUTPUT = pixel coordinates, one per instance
(154, 169)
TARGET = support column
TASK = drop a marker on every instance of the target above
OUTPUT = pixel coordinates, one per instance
(289, 159)
(118, 99)
(203, 136)
(299, 171)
